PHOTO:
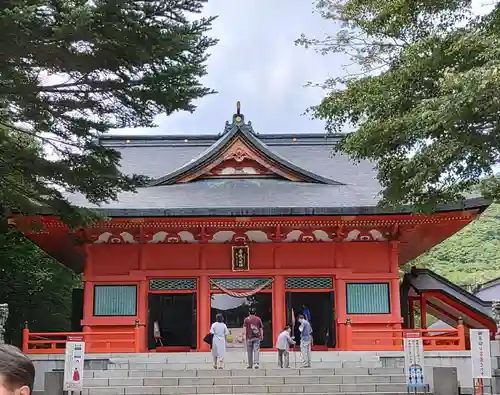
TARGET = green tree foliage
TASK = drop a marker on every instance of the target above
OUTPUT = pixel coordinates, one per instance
(36, 287)
(470, 257)
(424, 97)
(73, 69)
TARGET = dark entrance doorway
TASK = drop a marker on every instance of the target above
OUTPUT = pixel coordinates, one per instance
(235, 310)
(321, 306)
(176, 316)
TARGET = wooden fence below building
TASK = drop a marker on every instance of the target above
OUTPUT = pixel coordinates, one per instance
(388, 339)
(125, 341)
(356, 339)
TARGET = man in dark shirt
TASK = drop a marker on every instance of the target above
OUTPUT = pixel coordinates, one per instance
(254, 333)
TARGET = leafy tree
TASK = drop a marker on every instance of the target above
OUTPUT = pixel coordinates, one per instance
(74, 69)
(423, 98)
(36, 287)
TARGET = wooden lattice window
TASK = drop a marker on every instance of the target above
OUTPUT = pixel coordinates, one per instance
(115, 300)
(172, 284)
(309, 283)
(240, 283)
(368, 298)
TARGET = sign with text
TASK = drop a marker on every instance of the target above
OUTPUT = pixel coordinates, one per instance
(480, 353)
(73, 364)
(414, 360)
(241, 258)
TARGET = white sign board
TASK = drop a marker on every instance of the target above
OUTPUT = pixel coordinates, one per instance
(480, 353)
(414, 360)
(73, 366)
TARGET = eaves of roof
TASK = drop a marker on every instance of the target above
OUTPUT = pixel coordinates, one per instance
(418, 271)
(479, 204)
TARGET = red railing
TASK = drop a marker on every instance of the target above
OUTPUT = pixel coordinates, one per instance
(95, 342)
(388, 339)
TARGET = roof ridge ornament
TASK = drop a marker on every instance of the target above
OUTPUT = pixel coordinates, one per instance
(239, 122)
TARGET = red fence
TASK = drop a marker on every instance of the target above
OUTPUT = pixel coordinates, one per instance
(127, 341)
(392, 339)
(356, 339)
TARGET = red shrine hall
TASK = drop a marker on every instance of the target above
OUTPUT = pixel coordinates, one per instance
(242, 219)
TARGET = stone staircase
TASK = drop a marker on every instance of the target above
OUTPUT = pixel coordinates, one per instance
(192, 373)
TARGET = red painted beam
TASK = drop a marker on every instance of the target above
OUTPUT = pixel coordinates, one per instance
(463, 309)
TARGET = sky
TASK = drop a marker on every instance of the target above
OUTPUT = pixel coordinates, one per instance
(257, 63)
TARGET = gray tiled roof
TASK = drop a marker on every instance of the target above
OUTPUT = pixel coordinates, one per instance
(233, 193)
(313, 153)
(245, 132)
(354, 189)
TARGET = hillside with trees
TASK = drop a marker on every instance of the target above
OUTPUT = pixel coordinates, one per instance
(36, 287)
(471, 256)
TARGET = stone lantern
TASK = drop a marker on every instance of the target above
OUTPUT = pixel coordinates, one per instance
(4, 314)
(496, 316)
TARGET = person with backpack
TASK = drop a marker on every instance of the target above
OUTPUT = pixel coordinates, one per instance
(254, 334)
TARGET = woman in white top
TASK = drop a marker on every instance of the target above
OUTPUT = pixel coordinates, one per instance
(219, 331)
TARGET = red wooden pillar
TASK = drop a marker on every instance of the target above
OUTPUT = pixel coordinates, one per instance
(143, 315)
(279, 303)
(394, 285)
(203, 304)
(88, 289)
(461, 334)
(26, 338)
(341, 309)
(423, 311)
(411, 310)
(88, 304)
(348, 335)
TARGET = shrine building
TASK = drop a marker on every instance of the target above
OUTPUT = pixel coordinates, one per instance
(241, 219)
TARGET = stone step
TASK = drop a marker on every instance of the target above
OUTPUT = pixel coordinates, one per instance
(240, 380)
(250, 389)
(270, 356)
(238, 365)
(275, 393)
(242, 372)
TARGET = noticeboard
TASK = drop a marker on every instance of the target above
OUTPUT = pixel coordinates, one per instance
(414, 360)
(480, 353)
(73, 364)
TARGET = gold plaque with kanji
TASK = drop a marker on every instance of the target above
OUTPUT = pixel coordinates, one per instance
(241, 258)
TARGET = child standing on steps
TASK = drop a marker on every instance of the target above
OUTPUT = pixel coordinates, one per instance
(283, 345)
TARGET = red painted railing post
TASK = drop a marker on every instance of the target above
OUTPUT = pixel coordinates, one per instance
(137, 335)
(26, 337)
(348, 335)
(461, 334)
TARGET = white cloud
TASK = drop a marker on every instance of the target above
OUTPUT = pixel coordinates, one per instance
(257, 63)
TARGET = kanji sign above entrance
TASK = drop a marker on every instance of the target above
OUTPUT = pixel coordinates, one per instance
(240, 258)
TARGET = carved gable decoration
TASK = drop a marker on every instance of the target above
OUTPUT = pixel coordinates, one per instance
(239, 153)
(239, 160)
